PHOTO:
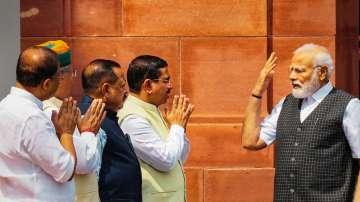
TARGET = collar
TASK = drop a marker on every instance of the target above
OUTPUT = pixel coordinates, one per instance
(141, 103)
(320, 94)
(111, 114)
(56, 101)
(87, 99)
(26, 95)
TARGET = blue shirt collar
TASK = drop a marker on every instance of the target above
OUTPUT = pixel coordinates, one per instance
(320, 94)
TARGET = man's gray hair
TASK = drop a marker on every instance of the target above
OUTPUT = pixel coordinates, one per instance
(321, 57)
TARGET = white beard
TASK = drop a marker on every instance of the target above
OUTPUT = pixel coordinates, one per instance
(308, 88)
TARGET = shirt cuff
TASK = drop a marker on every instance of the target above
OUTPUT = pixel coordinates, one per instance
(69, 171)
(267, 139)
(355, 155)
(87, 133)
(177, 129)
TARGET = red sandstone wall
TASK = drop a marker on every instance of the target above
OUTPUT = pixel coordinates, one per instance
(215, 50)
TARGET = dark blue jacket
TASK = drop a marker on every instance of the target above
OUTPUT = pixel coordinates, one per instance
(120, 174)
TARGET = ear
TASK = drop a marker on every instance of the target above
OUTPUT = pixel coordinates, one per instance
(147, 87)
(323, 73)
(105, 90)
(45, 84)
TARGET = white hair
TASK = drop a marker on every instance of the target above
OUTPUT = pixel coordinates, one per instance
(321, 57)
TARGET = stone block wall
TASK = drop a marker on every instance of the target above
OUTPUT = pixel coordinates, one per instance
(215, 50)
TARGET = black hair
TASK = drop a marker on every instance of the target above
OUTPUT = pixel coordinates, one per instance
(143, 67)
(31, 72)
(101, 74)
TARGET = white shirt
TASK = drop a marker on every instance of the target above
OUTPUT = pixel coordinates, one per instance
(87, 154)
(149, 147)
(34, 166)
(351, 119)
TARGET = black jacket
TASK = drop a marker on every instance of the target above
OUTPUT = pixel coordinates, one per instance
(120, 174)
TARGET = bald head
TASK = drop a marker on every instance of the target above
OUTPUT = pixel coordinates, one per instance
(35, 64)
(98, 72)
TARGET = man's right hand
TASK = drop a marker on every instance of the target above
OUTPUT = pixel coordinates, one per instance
(180, 111)
(93, 117)
(266, 75)
(65, 120)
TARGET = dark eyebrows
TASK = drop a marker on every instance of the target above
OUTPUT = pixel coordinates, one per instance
(167, 77)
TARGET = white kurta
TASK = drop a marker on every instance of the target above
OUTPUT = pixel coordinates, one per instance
(34, 166)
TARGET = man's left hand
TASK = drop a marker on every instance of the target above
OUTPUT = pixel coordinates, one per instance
(93, 117)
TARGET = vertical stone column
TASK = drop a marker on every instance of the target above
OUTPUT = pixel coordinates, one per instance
(9, 43)
(347, 55)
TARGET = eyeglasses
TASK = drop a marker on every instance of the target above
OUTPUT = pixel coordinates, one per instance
(74, 73)
(68, 70)
(166, 81)
(301, 70)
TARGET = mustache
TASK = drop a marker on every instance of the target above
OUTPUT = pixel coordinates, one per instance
(296, 83)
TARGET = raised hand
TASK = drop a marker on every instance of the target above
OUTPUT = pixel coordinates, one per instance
(265, 76)
(65, 120)
(93, 117)
(180, 111)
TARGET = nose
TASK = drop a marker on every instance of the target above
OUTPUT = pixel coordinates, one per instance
(170, 86)
(292, 75)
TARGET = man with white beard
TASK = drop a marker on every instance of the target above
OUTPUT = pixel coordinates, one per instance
(316, 128)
